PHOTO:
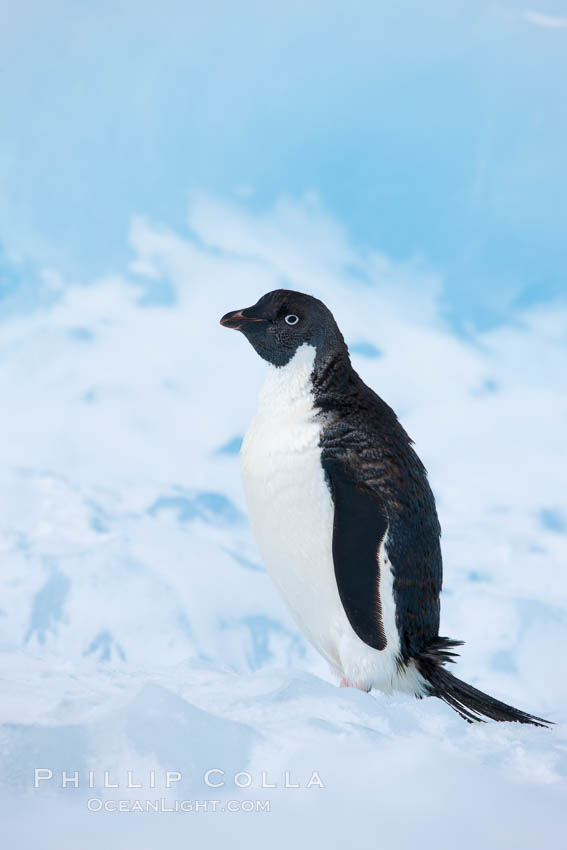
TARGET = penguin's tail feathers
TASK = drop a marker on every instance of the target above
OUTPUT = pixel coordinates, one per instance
(471, 704)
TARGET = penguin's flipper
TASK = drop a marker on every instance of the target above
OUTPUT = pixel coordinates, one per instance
(359, 527)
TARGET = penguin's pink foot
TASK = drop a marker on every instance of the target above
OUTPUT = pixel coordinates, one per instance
(344, 683)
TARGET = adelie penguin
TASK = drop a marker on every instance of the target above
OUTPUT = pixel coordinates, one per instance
(343, 514)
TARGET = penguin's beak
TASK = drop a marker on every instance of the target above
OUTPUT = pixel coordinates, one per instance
(238, 318)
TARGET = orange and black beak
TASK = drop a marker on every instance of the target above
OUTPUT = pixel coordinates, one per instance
(238, 318)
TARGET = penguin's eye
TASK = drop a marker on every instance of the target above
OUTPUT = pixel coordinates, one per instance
(292, 319)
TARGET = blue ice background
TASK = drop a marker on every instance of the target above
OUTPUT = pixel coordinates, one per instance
(429, 130)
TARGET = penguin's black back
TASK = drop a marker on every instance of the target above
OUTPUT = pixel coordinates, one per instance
(363, 434)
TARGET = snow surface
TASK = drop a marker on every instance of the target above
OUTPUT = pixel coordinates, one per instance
(138, 628)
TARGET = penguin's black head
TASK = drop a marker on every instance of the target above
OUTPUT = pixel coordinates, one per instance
(283, 320)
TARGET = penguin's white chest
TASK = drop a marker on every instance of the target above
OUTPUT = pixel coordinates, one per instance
(289, 503)
(291, 514)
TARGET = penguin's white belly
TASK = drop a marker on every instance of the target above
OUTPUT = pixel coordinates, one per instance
(291, 514)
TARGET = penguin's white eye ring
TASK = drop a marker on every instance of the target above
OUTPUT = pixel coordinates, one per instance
(291, 319)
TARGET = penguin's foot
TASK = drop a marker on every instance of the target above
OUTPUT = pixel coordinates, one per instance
(344, 683)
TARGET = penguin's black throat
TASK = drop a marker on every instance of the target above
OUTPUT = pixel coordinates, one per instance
(282, 321)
